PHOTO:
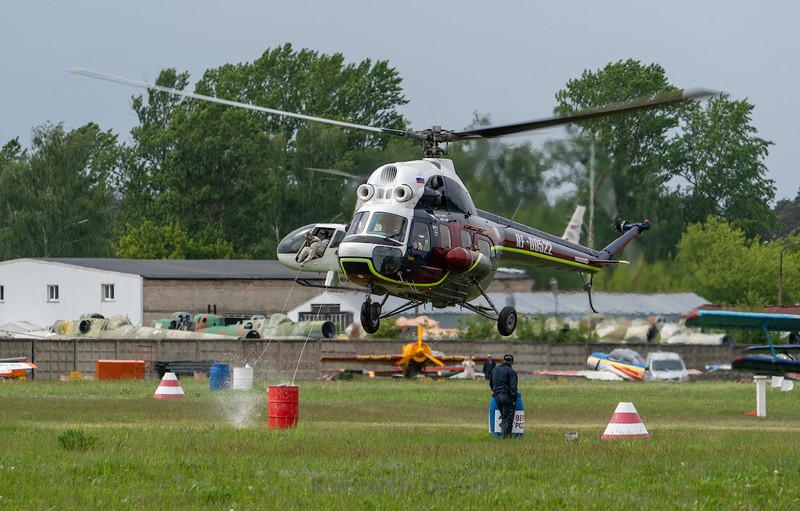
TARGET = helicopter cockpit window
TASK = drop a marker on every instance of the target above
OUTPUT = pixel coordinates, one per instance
(387, 225)
(358, 223)
(420, 236)
(294, 240)
(457, 198)
(337, 238)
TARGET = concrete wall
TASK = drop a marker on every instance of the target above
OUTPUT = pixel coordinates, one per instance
(528, 356)
(273, 360)
(279, 361)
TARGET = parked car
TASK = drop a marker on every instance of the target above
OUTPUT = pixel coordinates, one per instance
(665, 366)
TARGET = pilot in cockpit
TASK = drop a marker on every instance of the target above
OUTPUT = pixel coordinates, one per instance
(420, 242)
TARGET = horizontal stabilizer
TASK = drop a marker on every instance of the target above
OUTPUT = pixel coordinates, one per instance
(609, 261)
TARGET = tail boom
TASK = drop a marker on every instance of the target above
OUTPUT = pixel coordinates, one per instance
(629, 231)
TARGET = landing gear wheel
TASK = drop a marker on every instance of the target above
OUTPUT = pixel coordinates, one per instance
(375, 310)
(507, 321)
(369, 324)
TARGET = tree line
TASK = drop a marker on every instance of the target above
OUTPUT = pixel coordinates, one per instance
(203, 180)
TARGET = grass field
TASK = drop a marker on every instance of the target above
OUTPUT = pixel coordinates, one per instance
(387, 444)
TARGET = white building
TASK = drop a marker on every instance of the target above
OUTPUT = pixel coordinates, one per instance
(41, 292)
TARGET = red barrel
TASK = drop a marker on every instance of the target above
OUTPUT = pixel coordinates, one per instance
(283, 406)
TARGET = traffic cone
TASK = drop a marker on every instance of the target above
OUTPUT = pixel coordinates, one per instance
(169, 387)
(625, 423)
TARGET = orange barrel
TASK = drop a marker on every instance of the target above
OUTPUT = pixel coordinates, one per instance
(283, 406)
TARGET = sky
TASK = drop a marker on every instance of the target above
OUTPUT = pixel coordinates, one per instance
(503, 59)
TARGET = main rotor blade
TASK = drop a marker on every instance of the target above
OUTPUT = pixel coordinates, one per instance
(212, 99)
(336, 173)
(435, 135)
(616, 108)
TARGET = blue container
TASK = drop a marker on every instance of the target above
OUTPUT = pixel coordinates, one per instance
(519, 418)
(220, 377)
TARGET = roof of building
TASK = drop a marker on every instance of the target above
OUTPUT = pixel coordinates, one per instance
(670, 306)
(18, 327)
(183, 269)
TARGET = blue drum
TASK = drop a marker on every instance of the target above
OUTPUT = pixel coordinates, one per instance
(220, 377)
(519, 418)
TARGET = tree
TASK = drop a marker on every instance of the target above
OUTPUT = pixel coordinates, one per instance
(719, 262)
(241, 176)
(629, 148)
(788, 213)
(719, 157)
(672, 165)
(169, 241)
(141, 179)
(10, 153)
(55, 198)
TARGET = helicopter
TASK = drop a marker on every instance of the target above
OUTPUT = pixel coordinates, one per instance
(328, 262)
(417, 234)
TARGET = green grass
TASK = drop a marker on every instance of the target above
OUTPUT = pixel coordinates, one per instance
(388, 444)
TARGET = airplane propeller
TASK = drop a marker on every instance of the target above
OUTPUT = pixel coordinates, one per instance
(419, 352)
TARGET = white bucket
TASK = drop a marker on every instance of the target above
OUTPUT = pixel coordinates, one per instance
(243, 378)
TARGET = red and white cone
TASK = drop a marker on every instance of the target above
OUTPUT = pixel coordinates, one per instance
(169, 387)
(625, 423)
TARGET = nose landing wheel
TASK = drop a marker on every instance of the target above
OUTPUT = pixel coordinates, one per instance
(370, 316)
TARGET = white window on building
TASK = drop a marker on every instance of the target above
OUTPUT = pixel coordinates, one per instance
(52, 293)
(108, 292)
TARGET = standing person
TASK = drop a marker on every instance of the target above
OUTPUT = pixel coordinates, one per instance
(469, 368)
(488, 366)
(503, 382)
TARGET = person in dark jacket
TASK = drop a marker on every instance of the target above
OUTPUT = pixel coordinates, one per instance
(488, 366)
(503, 382)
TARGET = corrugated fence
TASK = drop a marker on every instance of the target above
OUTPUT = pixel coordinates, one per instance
(289, 360)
